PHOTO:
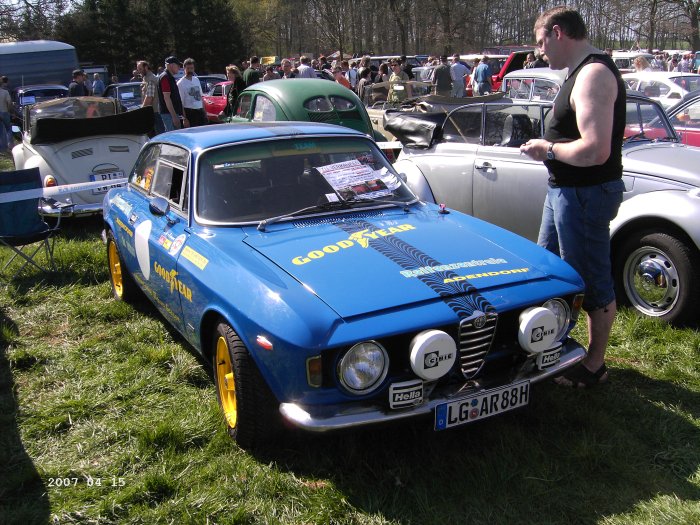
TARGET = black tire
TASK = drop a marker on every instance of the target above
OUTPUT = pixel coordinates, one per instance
(256, 421)
(656, 273)
(124, 287)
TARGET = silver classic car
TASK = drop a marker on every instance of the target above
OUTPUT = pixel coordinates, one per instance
(470, 161)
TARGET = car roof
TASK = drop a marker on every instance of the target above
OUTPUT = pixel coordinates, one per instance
(630, 54)
(121, 84)
(660, 74)
(41, 86)
(294, 92)
(472, 56)
(204, 137)
(556, 75)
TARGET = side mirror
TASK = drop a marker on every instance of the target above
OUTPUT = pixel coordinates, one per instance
(403, 177)
(159, 206)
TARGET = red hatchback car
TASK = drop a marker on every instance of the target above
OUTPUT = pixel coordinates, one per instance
(215, 100)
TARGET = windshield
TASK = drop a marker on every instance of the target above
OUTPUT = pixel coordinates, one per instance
(646, 120)
(258, 181)
(130, 95)
(689, 83)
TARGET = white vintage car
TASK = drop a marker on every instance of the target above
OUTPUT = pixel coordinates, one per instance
(81, 139)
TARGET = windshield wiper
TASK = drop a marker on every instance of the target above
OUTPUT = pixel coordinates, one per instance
(400, 204)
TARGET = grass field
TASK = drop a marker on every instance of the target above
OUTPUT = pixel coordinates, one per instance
(106, 416)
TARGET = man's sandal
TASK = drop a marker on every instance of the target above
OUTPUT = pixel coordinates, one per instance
(581, 377)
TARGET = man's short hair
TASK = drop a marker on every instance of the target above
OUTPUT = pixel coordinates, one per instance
(188, 61)
(78, 72)
(304, 59)
(144, 64)
(286, 61)
(254, 60)
(569, 20)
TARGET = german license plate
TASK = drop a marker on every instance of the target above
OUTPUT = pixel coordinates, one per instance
(95, 177)
(480, 406)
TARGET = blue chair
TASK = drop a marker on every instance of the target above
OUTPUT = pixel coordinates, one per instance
(22, 229)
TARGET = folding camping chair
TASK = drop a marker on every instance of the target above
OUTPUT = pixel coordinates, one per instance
(22, 229)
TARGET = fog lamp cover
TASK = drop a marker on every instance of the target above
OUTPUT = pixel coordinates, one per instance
(433, 352)
(537, 330)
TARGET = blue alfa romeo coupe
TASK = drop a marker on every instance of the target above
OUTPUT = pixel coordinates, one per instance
(324, 293)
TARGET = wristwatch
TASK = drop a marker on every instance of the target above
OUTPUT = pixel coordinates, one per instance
(550, 151)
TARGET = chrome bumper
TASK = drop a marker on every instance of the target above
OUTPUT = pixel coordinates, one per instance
(79, 210)
(334, 417)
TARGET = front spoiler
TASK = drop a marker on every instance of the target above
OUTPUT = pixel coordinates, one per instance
(336, 417)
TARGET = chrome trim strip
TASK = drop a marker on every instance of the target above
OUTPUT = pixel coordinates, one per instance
(349, 416)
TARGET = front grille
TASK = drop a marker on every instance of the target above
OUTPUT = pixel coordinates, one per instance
(81, 153)
(475, 343)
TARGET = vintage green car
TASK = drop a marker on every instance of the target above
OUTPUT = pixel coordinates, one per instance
(306, 100)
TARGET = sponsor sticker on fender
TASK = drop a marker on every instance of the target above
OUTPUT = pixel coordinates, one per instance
(194, 257)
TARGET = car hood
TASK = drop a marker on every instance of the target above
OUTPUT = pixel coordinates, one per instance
(363, 265)
(670, 161)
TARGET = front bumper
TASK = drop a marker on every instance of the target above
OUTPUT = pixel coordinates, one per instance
(78, 210)
(335, 417)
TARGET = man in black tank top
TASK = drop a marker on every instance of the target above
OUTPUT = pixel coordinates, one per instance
(582, 149)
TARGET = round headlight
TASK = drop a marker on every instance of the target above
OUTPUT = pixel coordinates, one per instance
(363, 368)
(562, 313)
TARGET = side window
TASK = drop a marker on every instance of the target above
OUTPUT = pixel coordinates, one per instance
(142, 175)
(264, 110)
(653, 89)
(463, 126)
(169, 182)
(689, 117)
(518, 88)
(243, 105)
(545, 90)
(217, 91)
(170, 178)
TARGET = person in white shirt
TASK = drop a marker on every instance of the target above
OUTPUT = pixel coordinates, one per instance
(458, 72)
(305, 70)
(191, 94)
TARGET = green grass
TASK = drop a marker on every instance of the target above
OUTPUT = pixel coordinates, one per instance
(101, 392)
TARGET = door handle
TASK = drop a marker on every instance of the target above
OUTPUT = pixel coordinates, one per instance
(484, 166)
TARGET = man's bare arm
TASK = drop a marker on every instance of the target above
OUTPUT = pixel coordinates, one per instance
(593, 100)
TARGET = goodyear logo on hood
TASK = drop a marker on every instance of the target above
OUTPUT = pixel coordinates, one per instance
(360, 238)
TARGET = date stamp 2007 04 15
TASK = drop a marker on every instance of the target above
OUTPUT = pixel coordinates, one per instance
(90, 481)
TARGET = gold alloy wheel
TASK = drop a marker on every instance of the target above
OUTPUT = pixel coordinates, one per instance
(226, 383)
(115, 269)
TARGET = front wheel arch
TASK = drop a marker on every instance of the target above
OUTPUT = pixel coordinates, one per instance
(654, 269)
